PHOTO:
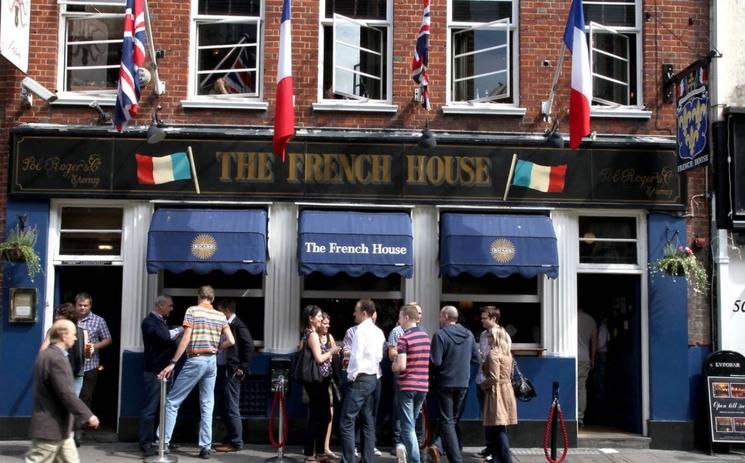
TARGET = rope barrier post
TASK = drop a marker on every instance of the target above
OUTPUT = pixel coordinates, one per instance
(280, 371)
(162, 456)
(554, 419)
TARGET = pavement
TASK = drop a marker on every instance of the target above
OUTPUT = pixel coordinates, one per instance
(111, 452)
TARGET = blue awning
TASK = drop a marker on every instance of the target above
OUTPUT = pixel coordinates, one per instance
(355, 243)
(204, 240)
(502, 245)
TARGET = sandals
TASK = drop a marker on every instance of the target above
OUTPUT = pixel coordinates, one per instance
(326, 458)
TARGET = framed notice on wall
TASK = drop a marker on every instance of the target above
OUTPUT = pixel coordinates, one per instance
(727, 408)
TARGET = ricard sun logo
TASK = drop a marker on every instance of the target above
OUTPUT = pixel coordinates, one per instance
(502, 250)
(203, 246)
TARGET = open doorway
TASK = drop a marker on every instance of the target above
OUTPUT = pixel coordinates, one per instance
(104, 284)
(614, 393)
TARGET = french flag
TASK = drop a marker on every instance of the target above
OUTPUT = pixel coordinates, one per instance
(284, 117)
(548, 179)
(152, 170)
(581, 95)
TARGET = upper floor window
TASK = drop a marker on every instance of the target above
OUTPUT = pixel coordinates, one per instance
(91, 47)
(615, 51)
(81, 238)
(228, 48)
(608, 240)
(483, 51)
(356, 56)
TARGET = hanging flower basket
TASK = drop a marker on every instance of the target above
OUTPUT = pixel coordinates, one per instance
(19, 248)
(14, 254)
(681, 262)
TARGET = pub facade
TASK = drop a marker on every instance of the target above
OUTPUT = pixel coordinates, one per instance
(360, 207)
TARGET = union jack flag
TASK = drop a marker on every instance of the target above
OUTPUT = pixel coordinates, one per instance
(421, 57)
(239, 79)
(133, 57)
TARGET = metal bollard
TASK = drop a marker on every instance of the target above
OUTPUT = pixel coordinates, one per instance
(279, 384)
(162, 456)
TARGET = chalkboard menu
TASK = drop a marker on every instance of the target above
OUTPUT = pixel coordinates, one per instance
(725, 381)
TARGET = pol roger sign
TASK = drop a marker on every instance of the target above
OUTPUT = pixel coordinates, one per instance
(692, 118)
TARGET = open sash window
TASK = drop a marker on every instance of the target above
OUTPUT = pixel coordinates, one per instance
(481, 62)
(359, 59)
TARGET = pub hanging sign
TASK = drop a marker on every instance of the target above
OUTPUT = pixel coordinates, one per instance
(692, 117)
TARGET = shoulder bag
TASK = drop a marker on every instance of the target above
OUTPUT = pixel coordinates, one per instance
(524, 390)
(306, 368)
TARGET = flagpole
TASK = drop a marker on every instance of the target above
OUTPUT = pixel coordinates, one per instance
(509, 177)
(193, 170)
(554, 84)
(159, 89)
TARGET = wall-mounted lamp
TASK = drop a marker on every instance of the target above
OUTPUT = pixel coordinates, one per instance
(427, 141)
(155, 133)
(553, 137)
(103, 117)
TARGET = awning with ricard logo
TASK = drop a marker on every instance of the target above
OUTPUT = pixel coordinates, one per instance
(355, 243)
(502, 245)
(203, 240)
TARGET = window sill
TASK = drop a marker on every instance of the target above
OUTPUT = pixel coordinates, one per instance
(483, 108)
(354, 106)
(76, 99)
(620, 113)
(238, 103)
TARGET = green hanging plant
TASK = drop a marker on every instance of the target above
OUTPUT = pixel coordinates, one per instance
(682, 262)
(18, 247)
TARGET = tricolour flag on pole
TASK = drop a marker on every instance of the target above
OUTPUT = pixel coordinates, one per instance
(421, 57)
(581, 94)
(152, 170)
(548, 179)
(133, 57)
(284, 116)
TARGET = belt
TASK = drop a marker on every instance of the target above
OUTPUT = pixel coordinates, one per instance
(200, 354)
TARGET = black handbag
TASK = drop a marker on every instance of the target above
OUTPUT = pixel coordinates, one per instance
(524, 390)
(306, 368)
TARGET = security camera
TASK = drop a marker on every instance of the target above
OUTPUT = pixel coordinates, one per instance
(30, 85)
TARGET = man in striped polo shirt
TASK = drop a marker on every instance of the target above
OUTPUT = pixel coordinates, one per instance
(200, 342)
(412, 364)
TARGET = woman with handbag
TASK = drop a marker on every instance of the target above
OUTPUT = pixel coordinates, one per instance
(317, 389)
(500, 409)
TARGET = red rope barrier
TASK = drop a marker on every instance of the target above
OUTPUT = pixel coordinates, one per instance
(279, 397)
(555, 407)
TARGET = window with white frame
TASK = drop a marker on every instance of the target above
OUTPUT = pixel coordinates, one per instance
(356, 56)
(82, 238)
(608, 240)
(91, 47)
(228, 48)
(483, 51)
(615, 51)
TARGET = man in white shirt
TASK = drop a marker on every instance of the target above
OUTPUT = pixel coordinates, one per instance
(363, 374)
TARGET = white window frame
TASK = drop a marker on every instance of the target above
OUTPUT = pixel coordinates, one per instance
(638, 268)
(104, 97)
(237, 101)
(604, 108)
(500, 24)
(339, 20)
(355, 103)
(56, 230)
(486, 105)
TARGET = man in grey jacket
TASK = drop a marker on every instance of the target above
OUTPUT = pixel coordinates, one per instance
(56, 406)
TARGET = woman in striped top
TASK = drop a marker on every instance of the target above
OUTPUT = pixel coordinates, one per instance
(319, 404)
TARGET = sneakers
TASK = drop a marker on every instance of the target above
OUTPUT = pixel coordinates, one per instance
(434, 454)
(400, 454)
(205, 453)
(356, 453)
(377, 452)
(483, 453)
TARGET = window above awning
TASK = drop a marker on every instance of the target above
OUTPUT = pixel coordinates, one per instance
(502, 245)
(355, 243)
(203, 240)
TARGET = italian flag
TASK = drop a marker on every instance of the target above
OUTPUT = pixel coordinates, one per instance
(153, 170)
(548, 179)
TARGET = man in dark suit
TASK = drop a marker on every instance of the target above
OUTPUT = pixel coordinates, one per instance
(56, 406)
(232, 368)
(160, 345)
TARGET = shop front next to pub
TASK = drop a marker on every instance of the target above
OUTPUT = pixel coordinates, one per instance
(352, 215)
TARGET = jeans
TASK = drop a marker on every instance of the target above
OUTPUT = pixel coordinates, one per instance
(450, 401)
(229, 388)
(149, 409)
(77, 385)
(501, 451)
(358, 401)
(202, 370)
(409, 406)
(395, 421)
(319, 416)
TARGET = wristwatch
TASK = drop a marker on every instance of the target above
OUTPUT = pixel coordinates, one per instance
(173, 361)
